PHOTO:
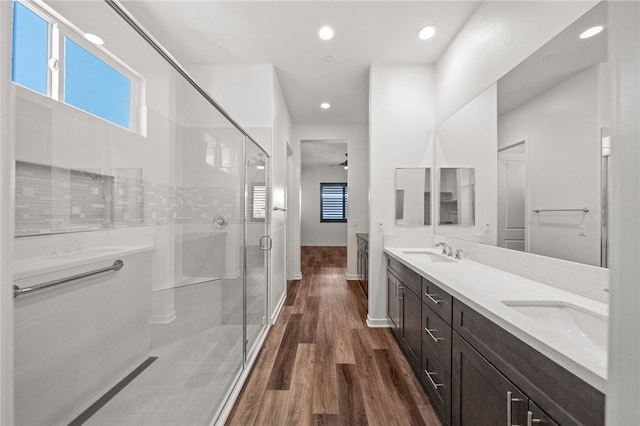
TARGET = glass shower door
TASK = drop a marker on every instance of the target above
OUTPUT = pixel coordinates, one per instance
(257, 243)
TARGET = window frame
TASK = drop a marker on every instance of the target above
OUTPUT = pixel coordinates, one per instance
(253, 186)
(61, 28)
(345, 198)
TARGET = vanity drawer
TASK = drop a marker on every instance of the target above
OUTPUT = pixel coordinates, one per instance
(437, 299)
(409, 278)
(436, 335)
(437, 383)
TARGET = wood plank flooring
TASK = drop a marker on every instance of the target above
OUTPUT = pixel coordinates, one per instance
(322, 365)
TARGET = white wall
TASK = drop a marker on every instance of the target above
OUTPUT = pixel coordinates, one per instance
(313, 232)
(498, 36)
(623, 389)
(7, 197)
(279, 219)
(469, 139)
(358, 182)
(401, 124)
(562, 130)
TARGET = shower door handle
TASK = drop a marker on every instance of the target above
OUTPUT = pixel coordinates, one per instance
(266, 242)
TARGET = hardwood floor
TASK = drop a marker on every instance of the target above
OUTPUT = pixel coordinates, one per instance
(322, 365)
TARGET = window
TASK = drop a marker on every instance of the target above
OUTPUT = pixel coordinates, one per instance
(30, 49)
(258, 206)
(95, 87)
(333, 202)
(52, 58)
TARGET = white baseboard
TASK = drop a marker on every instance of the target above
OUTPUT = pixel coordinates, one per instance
(351, 277)
(162, 319)
(276, 313)
(379, 322)
(297, 276)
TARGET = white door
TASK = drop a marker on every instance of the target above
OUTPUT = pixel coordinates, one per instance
(512, 200)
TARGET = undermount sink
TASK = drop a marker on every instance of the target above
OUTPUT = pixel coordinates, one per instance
(580, 324)
(428, 256)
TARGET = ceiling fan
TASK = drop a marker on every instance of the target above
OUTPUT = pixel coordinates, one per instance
(345, 163)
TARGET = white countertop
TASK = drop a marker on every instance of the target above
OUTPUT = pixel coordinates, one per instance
(484, 288)
(36, 266)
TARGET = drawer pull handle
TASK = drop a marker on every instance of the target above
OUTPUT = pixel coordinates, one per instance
(510, 400)
(433, 383)
(531, 420)
(430, 333)
(434, 300)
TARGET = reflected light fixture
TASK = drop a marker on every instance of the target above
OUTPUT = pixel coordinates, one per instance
(325, 105)
(325, 33)
(93, 39)
(591, 31)
(427, 32)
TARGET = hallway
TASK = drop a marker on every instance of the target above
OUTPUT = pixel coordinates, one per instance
(322, 365)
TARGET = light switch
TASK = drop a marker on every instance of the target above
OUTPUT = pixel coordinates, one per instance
(583, 230)
(380, 226)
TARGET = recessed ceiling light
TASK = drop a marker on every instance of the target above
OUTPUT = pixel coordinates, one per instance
(325, 105)
(325, 33)
(328, 59)
(592, 31)
(427, 32)
(94, 39)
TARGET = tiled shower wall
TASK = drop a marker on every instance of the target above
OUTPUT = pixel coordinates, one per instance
(52, 200)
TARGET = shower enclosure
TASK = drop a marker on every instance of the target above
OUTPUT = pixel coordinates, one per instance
(121, 157)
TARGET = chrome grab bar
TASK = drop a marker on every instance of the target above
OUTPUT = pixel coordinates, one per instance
(17, 291)
(584, 210)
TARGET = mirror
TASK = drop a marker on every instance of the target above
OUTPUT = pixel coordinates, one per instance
(413, 196)
(549, 149)
(457, 196)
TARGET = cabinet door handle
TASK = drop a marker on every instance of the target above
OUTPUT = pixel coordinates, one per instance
(511, 400)
(434, 300)
(433, 383)
(531, 420)
(430, 333)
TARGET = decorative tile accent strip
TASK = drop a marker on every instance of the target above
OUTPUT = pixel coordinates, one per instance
(52, 200)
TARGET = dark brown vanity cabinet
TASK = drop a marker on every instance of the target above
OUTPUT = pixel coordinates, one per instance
(495, 373)
(482, 396)
(436, 348)
(405, 307)
(475, 372)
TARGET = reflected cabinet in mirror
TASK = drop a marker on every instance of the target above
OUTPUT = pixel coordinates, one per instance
(413, 196)
(457, 196)
(539, 143)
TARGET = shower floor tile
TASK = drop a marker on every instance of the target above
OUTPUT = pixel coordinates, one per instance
(184, 386)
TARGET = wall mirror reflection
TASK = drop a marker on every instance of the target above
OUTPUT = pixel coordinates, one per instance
(542, 188)
(457, 196)
(413, 196)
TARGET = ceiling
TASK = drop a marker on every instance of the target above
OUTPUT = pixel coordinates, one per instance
(558, 60)
(284, 33)
(323, 153)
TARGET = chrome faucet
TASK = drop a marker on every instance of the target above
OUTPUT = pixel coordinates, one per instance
(446, 248)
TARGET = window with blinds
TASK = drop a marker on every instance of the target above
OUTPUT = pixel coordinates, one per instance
(258, 206)
(333, 202)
